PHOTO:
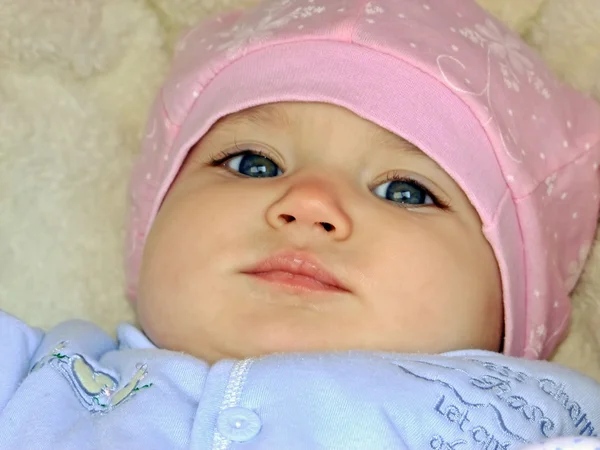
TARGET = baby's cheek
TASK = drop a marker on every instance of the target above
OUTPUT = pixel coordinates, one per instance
(490, 302)
(482, 310)
(493, 331)
(148, 315)
(465, 294)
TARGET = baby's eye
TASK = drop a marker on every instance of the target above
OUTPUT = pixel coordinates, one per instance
(252, 164)
(406, 192)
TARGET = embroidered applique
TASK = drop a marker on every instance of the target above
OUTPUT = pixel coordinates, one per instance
(98, 391)
(458, 410)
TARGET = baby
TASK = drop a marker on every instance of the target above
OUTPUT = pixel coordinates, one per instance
(354, 225)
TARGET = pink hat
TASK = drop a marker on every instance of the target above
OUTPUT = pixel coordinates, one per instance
(445, 76)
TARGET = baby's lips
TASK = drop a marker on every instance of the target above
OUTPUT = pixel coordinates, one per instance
(298, 263)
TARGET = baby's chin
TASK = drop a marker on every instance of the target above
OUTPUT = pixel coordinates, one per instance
(232, 350)
(259, 349)
(227, 350)
(213, 344)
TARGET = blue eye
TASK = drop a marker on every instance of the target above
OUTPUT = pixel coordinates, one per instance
(254, 165)
(406, 192)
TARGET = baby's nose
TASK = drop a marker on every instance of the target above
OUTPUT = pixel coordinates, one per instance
(311, 204)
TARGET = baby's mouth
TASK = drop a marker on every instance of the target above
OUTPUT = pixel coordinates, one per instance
(296, 271)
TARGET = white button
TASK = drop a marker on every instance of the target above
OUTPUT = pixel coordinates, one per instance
(238, 424)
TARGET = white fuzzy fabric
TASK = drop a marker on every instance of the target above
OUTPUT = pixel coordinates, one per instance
(76, 81)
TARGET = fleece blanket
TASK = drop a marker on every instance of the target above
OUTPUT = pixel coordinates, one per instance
(76, 81)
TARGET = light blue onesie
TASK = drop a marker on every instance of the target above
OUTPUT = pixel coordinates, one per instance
(75, 388)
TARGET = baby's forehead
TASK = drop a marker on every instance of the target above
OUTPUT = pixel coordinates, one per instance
(282, 117)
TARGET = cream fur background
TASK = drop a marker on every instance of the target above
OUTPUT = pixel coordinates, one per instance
(76, 80)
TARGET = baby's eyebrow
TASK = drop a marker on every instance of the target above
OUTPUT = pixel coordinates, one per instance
(268, 114)
(274, 116)
(384, 138)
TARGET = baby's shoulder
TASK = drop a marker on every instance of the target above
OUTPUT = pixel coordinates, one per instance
(471, 395)
(101, 371)
(546, 395)
(518, 370)
(78, 374)
(27, 349)
(494, 372)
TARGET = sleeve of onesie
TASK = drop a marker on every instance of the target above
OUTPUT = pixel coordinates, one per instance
(18, 342)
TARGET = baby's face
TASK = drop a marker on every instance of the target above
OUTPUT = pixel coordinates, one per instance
(373, 245)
